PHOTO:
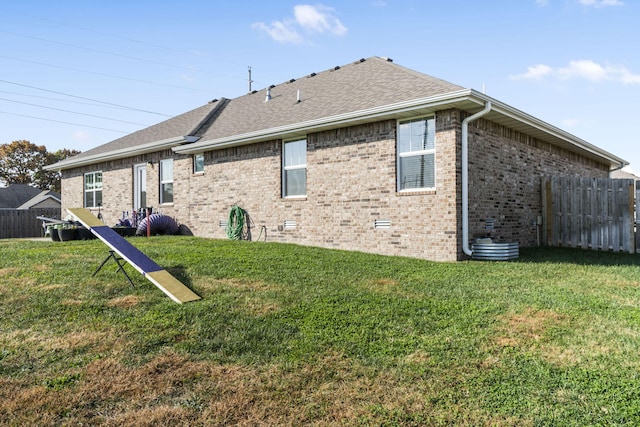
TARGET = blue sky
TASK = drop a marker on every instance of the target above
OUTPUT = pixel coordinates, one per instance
(77, 74)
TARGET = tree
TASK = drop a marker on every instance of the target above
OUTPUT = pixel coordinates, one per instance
(50, 180)
(22, 162)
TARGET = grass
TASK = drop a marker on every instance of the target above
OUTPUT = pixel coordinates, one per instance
(291, 335)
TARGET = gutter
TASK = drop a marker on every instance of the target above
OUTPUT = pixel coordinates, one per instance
(149, 147)
(450, 99)
(465, 176)
(463, 99)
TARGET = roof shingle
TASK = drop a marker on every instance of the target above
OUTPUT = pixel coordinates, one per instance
(357, 86)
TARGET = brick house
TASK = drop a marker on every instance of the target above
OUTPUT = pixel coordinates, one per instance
(370, 156)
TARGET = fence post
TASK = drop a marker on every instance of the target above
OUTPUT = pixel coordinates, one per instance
(635, 216)
(547, 213)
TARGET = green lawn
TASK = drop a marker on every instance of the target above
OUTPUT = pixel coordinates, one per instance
(291, 335)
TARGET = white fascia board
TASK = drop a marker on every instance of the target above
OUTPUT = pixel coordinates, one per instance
(448, 99)
(149, 147)
(315, 124)
(529, 120)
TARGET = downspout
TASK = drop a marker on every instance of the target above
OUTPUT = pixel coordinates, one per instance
(465, 176)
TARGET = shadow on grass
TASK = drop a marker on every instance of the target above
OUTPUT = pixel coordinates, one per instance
(180, 273)
(578, 256)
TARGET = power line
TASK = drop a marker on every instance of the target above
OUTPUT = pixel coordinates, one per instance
(60, 121)
(85, 98)
(121, 37)
(103, 74)
(72, 112)
(135, 58)
(50, 98)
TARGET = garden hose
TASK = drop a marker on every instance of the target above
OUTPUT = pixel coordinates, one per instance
(235, 223)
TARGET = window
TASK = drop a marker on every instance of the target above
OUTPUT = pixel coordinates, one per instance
(166, 181)
(416, 154)
(140, 186)
(198, 163)
(294, 168)
(92, 189)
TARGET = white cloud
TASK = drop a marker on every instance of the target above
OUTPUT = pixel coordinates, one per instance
(627, 76)
(585, 69)
(600, 3)
(279, 31)
(542, 2)
(535, 72)
(318, 19)
(581, 69)
(311, 19)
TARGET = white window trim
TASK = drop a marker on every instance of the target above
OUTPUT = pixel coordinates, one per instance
(162, 202)
(290, 168)
(196, 172)
(84, 187)
(404, 154)
(137, 184)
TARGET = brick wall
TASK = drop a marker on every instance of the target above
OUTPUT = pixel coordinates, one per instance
(505, 170)
(117, 185)
(351, 182)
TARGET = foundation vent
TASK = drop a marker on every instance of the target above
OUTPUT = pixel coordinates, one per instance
(382, 224)
(290, 224)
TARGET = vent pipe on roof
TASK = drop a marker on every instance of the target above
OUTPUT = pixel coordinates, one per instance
(268, 97)
(298, 96)
(465, 176)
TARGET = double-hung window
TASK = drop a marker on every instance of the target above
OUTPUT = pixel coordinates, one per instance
(166, 181)
(294, 168)
(92, 189)
(198, 163)
(416, 154)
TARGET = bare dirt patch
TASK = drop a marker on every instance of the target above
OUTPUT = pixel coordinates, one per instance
(171, 389)
(127, 301)
(526, 329)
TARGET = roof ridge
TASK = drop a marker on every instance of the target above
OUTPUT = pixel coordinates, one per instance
(382, 59)
(416, 73)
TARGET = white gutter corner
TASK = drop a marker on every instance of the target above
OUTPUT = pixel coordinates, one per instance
(465, 176)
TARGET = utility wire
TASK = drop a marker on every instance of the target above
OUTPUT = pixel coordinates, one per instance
(50, 98)
(121, 37)
(60, 121)
(151, 61)
(84, 98)
(72, 112)
(103, 74)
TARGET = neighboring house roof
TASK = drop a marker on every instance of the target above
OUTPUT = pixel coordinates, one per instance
(363, 91)
(23, 196)
(624, 174)
(44, 199)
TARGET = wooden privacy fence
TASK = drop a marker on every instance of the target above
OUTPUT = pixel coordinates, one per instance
(18, 223)
(589, 213)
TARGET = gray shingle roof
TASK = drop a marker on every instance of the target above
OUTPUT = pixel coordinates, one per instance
(357, 86)
(339, 95)
(187, 124)
(16, 194)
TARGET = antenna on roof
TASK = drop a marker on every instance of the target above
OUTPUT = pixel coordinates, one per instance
(250, 81)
